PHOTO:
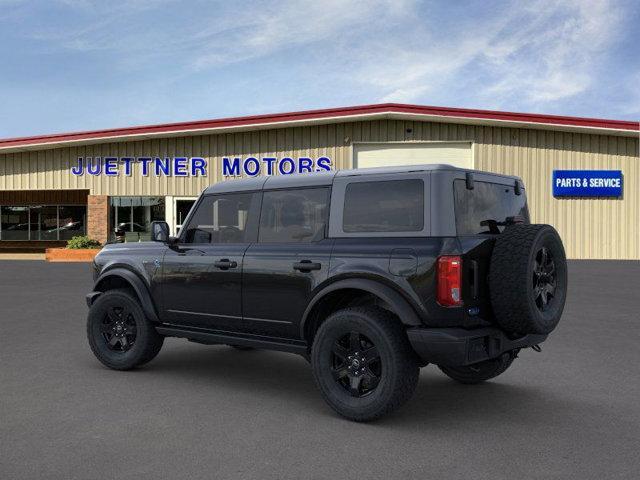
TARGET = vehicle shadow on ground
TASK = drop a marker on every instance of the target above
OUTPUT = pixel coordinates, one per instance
(438, 401)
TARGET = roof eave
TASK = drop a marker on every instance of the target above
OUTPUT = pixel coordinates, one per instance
(177, 130)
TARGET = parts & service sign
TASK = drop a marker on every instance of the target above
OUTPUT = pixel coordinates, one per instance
(197, 166)
(587, 183)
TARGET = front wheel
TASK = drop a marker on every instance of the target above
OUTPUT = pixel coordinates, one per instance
(119, 333)
(363, 363)
(480, 372)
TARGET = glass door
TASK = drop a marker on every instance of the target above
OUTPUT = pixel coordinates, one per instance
(44, 223)
(182, 208)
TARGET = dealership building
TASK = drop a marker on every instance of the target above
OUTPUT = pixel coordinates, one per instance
(582, 175)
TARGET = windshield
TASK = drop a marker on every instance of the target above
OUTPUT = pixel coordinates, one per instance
(486, 207)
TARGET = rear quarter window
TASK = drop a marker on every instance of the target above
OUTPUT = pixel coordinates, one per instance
(384, 206)
(486, 202)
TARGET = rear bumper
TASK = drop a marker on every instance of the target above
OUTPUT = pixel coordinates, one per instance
(458, 346)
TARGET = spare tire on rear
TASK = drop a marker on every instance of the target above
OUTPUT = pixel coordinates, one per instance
(528, 279)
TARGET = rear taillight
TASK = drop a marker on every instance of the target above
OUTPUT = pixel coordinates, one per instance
(449, 281)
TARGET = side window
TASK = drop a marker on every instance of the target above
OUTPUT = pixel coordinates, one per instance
(385, 206)
(294, 215)
(220, 219)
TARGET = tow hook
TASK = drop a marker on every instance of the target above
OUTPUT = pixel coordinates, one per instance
(536, 348)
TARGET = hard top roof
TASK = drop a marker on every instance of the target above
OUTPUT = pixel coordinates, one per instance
(323, 178)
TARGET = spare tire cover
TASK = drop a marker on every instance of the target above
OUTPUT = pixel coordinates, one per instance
(528, 279)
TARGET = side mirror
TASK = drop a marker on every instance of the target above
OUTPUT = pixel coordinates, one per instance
(160, 232)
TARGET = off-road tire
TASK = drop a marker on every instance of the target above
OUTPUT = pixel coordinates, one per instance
(398, 363)
(512, 279)
(479, 372)
(148, 341)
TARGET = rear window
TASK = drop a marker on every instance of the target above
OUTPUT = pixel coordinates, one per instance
(387, 206)
(487, 202)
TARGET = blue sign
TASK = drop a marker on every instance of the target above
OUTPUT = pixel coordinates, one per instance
(145, 166)
(253, 166)
(197, 166)
(587, 183)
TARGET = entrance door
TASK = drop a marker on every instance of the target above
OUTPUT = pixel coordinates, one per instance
(393, 154)
(182, 207)
(202, 273)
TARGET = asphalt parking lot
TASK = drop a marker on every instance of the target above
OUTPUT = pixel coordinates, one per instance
(572, 411)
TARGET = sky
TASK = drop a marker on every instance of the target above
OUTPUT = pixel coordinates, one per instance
(69, 65)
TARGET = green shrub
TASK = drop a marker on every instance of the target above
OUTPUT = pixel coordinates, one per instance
(82, 241)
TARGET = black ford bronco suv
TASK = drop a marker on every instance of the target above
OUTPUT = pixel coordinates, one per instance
(369, 274)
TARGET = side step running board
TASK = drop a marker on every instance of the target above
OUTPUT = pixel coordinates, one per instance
(228, 338)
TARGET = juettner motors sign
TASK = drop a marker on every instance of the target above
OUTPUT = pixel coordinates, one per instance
(196, 166)
(587, 183)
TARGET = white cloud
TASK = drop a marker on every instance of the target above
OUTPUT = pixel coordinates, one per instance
(553, 53)
(546, 52)
(524, 56)
(291, 23)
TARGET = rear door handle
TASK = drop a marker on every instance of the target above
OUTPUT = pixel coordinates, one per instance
(306, 266)
(225, 264)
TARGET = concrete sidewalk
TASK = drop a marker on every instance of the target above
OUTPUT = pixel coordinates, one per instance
(22, 256)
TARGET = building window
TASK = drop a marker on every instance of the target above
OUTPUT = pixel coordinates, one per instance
(131, 217)
(42, 222)
(71, 221)
(15, 223)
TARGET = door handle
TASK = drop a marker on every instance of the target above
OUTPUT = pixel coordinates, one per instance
(225, 264)
(306, 266)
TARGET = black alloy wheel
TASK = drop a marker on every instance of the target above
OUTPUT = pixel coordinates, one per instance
(119, 329)
(356, 364)
(363, 363)
(544, 279)
(528, 279)
(119, 333)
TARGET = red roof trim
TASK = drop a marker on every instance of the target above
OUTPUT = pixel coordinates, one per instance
(329, 113)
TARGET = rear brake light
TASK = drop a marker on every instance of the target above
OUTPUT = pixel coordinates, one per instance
(449, 281)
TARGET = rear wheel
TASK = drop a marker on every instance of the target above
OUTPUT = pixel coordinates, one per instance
(119, 333)
(363, 364)
(480, 372)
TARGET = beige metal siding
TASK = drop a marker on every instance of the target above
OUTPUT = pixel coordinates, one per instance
(590, 228)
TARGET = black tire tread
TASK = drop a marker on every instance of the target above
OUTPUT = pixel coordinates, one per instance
(508, 267)
(406, 359)
(150, 348)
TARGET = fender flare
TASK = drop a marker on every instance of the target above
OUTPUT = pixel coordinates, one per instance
(397, 302)
(138, 286)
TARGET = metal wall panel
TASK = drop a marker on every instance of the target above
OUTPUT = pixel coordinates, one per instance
(591, 228)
